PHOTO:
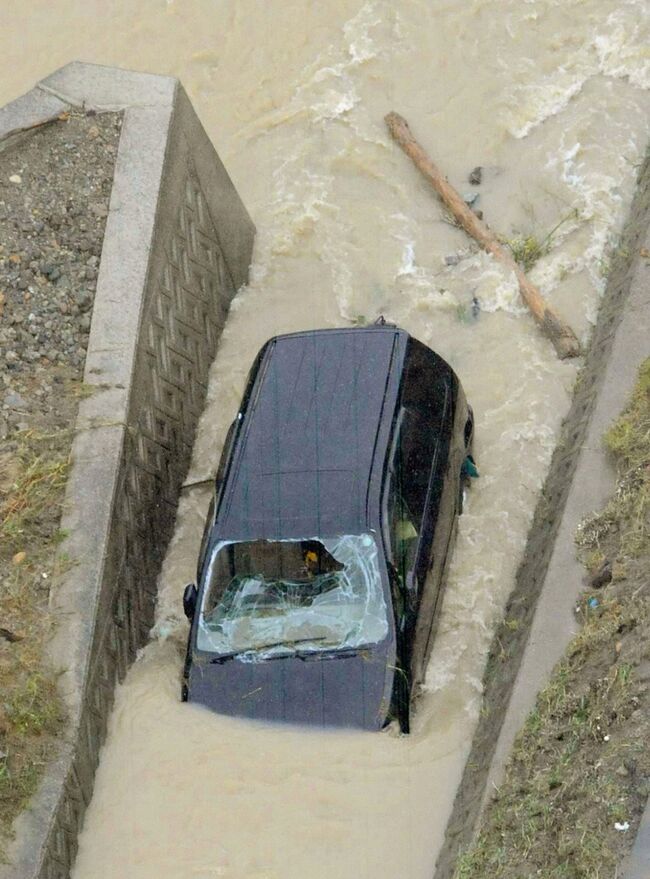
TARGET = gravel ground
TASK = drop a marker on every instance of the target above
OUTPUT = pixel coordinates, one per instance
(54, 193)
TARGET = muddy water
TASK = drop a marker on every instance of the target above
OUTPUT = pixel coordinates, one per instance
(551, 98)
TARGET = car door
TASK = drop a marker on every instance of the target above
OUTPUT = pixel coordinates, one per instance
(407, 503)
(427, 431)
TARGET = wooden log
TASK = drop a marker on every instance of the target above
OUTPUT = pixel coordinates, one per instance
(561, 335)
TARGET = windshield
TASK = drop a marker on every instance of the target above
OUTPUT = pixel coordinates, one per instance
(282, 596)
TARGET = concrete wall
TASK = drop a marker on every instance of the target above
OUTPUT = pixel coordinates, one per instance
(177, 245)
(550, 578)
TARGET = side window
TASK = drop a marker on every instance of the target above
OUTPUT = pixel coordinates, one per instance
(402, 523)
(425, 405)
(417, 455)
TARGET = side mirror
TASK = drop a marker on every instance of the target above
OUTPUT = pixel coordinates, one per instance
(189, 600)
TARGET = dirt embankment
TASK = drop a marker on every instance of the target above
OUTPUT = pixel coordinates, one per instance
(579, 775)
(54, 194)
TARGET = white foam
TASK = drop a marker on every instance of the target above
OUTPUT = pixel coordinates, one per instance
(342, 280)
(495, 286)
(533, 104)
(361, 46)
(596, 195)
(327, 95)
(618, 49)
(622, 48)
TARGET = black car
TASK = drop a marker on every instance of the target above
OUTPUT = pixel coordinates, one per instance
(321, 569)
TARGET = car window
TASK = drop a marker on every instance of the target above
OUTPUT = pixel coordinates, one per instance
(402, 523)
(425, 404)
(273, 597)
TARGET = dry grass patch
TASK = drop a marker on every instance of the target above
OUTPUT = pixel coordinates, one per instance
(33, 471)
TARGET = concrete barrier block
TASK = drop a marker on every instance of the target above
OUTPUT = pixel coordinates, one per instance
(108, 88)
(28, 112)
(177, 246)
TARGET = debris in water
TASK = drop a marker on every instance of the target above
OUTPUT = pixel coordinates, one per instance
(560, 334)
(476, 176)
(468, 314)
(469, 468)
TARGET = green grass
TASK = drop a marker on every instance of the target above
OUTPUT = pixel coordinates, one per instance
(41, 473)
(31, 708)
(526, 250)
(628, 440)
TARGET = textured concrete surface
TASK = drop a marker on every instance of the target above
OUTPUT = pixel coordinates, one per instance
(177, 245)
(31, 110)
(108, 88)
(549, 579)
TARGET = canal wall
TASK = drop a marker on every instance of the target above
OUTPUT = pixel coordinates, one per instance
(540, 612)
(177, 246)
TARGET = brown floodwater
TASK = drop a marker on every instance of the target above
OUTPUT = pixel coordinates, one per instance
(551, 97)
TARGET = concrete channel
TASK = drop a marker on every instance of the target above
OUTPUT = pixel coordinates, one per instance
(177, 247)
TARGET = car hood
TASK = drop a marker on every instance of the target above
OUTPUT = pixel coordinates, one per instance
(345, 689)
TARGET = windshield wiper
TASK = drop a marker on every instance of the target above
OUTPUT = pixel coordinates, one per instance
(223, 657)
(254, 650)
(331, 653)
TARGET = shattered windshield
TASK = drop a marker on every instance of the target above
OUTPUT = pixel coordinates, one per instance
(285, 595)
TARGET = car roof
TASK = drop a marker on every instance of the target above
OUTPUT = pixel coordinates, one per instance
(318, 416)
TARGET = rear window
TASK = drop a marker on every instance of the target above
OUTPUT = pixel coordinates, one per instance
(281, 597)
